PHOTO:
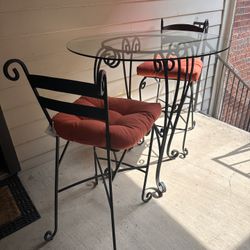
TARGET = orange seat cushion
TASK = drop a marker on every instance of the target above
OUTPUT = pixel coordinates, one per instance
(147, 69)
(129, 121)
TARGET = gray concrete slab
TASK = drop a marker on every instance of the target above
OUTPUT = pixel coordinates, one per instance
(206, 206)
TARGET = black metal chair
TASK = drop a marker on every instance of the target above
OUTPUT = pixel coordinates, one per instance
(109, 123)
(147, 70)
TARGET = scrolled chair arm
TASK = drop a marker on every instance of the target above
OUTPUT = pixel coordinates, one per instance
(15, 76)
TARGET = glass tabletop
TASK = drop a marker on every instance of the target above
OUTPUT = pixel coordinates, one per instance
(147, 46)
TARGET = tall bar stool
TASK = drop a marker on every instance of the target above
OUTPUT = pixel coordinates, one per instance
(147, 70)
(109, 123)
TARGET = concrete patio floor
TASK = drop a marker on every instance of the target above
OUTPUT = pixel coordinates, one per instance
(206, 206)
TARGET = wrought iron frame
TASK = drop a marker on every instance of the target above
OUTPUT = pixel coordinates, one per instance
(108, 174)
(234, 108)
(163, 61)
(200, 27)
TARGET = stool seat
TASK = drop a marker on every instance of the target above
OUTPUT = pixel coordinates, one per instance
(147, 69)
(129, 121)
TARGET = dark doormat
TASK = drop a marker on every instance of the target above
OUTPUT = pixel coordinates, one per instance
(16, 207)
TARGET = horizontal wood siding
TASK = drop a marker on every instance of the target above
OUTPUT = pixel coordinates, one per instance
(37, 33)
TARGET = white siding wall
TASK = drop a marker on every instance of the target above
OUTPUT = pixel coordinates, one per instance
(37, 31)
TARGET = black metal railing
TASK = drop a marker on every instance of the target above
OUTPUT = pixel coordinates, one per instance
(204, 87)
(235, 104)
(230, 102)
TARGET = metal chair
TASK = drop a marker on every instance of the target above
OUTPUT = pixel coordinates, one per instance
(147, 70)
(109, 123)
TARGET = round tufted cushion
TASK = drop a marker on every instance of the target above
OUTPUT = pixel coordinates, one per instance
(147, 69)
(129, 121)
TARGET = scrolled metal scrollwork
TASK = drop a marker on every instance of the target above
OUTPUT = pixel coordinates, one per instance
(155, 192)
(16, 75)
(106, 172)
(126, 48)
(142, 84)
(173, 154)
(183, 154)
(164, 63)
(158, 65)
(102, 82)
(175, 107)
(146, 197)
(180, 50)
(129, 47)
(109, 56)
(136, 44)
(162, 187)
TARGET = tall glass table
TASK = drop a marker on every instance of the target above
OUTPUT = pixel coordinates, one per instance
(166, 51)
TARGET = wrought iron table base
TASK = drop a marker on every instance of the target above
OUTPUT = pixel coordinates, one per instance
(113, 60)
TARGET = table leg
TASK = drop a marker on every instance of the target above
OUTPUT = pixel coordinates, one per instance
(165, 133)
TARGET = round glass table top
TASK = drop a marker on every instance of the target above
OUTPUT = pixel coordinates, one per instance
(145, 46)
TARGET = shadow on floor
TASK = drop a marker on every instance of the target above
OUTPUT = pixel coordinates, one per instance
(245, 245)
(229, 160)
(84, 220)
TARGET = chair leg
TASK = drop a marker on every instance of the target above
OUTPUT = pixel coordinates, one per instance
(110, 197)
(190, 112)
(108, 174)
(95, 162)
(49, 235)
(148, 196)
(192, 106)
(112, 213)
(158, 81)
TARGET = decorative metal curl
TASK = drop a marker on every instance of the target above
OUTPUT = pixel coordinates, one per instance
(130, 47)
(126, 45)
(163, 63)
(102, 81)
(106, 172)
(161, 187)
(161, 132)
(48, 236)
(136, 44)
(184, 153)
(156, 192)
(147, 197)
(141, 162)
(111, 57)
(174, 153)
(139, 143)
(180, 50)
(14, 70)
(158, 65)
(142, 84)
(175, 107)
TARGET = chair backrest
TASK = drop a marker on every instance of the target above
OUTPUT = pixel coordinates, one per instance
(38, 82)
(201, 27)
(196, 26)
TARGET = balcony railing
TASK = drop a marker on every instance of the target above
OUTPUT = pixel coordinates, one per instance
(232, 98)
(235, 106)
